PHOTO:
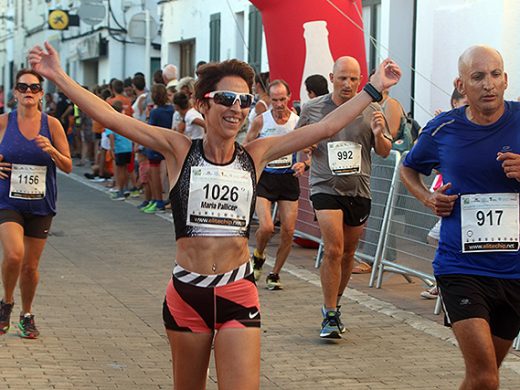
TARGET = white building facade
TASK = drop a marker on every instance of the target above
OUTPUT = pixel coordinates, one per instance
(211, 30)
(91, 53)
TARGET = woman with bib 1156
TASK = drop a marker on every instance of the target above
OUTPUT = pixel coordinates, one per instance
(32, 145)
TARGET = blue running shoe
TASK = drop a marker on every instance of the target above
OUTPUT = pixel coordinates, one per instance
(341, 326)
(330, 326)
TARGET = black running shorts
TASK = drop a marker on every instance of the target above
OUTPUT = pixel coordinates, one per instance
(123, 158)
(355, 208)
(276, 187)
(36, 226)
(471, 296)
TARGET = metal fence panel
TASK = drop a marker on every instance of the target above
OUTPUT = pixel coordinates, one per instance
(405, 246)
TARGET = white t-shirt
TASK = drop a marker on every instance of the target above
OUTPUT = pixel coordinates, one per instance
(135, 107)
(193, 131)
(176, 120)
(105, 141)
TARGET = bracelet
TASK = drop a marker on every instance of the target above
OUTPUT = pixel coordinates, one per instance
(307, 166)
(373, 92)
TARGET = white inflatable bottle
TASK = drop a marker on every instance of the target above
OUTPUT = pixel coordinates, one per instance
(318, 58)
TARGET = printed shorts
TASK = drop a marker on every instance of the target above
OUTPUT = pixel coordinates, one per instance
(207, 303)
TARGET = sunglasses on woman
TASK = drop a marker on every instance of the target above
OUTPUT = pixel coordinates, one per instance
(228, 98)
(23, 87)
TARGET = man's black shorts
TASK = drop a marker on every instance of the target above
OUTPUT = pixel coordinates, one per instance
(355, 208)
(36, 226)
(276, 187)
(472, 296)
(123, 158)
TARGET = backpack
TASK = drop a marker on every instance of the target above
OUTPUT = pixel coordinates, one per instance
(404, 139)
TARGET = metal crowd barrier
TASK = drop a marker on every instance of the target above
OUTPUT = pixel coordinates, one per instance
(405, 248)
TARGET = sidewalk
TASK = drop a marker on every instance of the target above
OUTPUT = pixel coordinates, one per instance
(98, 306)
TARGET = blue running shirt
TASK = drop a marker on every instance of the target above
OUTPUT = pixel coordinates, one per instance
(466, 155)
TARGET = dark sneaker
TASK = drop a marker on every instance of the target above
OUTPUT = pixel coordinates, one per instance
(27, 327)
(330, 326)
(119, 195)
(273, 282)
(5, 316)
(143, 204)
(258, 263)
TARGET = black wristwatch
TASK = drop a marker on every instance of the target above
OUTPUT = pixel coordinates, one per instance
(373, 92)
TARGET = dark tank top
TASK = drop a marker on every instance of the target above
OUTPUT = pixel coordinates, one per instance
(212, 200)
(18, 150)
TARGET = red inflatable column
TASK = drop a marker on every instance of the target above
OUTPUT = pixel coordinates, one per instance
(305, 36)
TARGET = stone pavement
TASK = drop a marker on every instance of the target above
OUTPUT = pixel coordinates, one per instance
(98, 306)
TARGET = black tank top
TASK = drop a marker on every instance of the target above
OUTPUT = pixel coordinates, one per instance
(214, 200)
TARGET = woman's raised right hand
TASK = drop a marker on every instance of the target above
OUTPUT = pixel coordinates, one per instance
(44, 61)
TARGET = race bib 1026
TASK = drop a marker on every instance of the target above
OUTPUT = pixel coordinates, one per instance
(219, 198)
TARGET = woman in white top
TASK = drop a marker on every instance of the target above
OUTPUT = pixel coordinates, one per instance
(191, 121)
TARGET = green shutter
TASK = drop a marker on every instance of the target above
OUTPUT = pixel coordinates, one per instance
(214, 37)
(255, 39)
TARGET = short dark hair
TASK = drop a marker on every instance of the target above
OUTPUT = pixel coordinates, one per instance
(117, 86)
(139, 82)
(317, 84)
(182, 100)
(105, 93)
(159, 95)
(157, 77)
(127, 82)
(117, 105)
(279, 82)
(211, 74)
(22, 72)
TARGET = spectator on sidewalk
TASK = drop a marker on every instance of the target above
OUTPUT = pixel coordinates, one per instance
(477, 262)
(121, 150)
(191, 122)
(316, 85)
(169, 75)
(212, 299)
(160, 116)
